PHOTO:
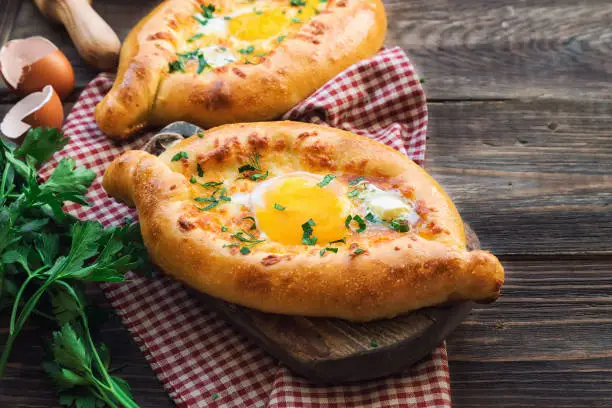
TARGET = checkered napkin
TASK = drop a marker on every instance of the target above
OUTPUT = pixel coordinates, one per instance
(199, 358)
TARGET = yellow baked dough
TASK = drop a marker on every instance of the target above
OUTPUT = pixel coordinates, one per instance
(247, 212)
(217, 62)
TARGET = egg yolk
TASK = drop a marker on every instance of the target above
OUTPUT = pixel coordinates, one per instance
(264, 24)
(302, 200)
(253, 27)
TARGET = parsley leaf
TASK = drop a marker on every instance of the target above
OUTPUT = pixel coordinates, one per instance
(326, 180)
(40, 143)
(179, 156)
(279, 207)
(307, 237)
(356, 181)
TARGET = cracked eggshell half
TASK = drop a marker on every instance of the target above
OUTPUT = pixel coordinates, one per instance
(27, 65)
(38, 109)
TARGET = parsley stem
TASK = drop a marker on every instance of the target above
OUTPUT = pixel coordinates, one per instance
(117, 392)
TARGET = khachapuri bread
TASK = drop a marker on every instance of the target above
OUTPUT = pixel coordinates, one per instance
(302, 219)
(218, 62)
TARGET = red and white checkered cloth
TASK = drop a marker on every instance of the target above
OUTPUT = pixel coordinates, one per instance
(199, 358)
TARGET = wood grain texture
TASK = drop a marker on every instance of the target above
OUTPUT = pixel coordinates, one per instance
(530, 172)
(532, 177)
(501, 49)
(546, 342)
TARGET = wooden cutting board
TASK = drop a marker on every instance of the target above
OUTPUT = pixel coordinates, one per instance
(335, 351)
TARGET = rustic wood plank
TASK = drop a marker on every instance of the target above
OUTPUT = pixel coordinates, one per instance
(500, 49)
(530, 177)
(546, 342)
(478, 49)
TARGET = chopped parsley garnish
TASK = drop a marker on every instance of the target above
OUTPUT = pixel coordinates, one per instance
(370, 217)
(248, 50)
(338, 241)
(193, 180)
(373, 344)
(400, 225)
(358, 220)
(258, 12)
(348, 220)
(422, 80)
(326, 180)
(248, 241)
(280, 39)
(254, 225)
(322, 1)
(213, 200)
(353, 193)
(195, 37)
(200, 135)
(223, 228)
(177, 65)
(261, 54)
(210, 184)
(200, 19)
(334, 250)
(307, 237)
(297, 2)
(279, 207)
(359, 251)
(253, 166)
(179, 156)
(296, 20)
(356, 181)
(227, 18)
(200, 171)
(215, 396)
(202, 64)
(207, 11)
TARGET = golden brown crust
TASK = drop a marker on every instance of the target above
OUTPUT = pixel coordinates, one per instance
(396, 273)
(144, 93)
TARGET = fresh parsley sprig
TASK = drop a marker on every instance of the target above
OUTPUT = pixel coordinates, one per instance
(45, 257)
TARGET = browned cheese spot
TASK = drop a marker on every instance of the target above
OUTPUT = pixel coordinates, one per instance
(184, 224)
(271, 260)
(161, 35)
(239, 72)
(257, 142)
(422, 209)
(319, 154)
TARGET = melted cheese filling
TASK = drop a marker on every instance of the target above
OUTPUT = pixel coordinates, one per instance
(246, 33)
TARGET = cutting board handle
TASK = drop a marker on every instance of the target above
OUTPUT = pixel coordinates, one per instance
(95, 40)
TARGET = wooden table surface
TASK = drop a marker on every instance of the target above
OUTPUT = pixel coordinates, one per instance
(520, 102)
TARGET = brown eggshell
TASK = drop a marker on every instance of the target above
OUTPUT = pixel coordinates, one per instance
(42, 109)
(51, 114)
(27, 65)
(54, 70)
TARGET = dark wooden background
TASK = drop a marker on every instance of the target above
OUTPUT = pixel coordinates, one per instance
(521, 137)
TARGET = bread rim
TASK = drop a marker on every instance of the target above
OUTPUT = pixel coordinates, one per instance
(144, 93)
(391, 277)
